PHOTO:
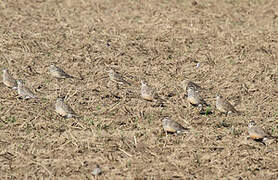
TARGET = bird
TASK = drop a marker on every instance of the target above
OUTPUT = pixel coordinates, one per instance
(185, 84)
(117, 77)
(172, 126)
(257, 133)
(194, 97)
(8, 79)
(196, 86)
(24, 91)
(223, 105)
(97, 170)
(63, 109)
(58, 72)
(147, 92)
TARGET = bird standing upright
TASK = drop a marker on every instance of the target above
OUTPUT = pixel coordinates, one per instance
(8, 79)
(58, 72)
(147, 92)
(24, 91)
(194, 98)
(116, 77)
(64, 109)
(172, 126)
(257, 133)
(224, 106)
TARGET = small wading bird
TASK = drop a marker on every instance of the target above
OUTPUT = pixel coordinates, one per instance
(224, 106)
(64, 109)
(116, 77)
(8, 79)
(194, 98)
(58, 72)
(171, 126)
(24, 92)
(257, 133)
(148, 93)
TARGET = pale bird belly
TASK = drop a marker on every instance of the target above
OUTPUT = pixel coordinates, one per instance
(61, 111)
(193, 100)
(256, 136)
(170, 129)
(147, 97)
(9, 83)
(57, 74)
(221, 108)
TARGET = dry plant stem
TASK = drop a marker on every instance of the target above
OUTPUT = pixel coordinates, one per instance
(125, 152)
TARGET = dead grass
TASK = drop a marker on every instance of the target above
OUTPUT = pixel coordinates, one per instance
(235, 43)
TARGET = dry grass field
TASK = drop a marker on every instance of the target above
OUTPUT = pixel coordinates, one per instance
(235, 43)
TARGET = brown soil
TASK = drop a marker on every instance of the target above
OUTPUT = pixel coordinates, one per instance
(235, 42)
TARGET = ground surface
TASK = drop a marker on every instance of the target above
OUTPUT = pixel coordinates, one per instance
(235, 42)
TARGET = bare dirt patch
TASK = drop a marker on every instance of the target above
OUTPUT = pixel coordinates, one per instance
(235, 42)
